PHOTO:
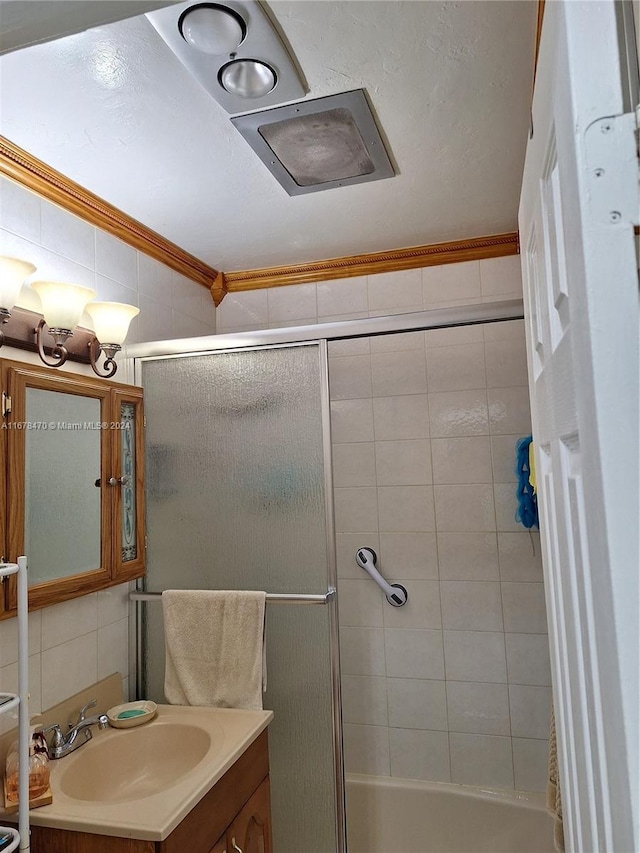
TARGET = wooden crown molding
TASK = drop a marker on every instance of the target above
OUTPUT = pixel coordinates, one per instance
(473, 249)
(22, 167)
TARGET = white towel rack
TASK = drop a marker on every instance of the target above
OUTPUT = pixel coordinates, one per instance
(272, 597)
(20, 838)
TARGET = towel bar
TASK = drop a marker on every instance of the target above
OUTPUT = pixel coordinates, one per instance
(272, 598)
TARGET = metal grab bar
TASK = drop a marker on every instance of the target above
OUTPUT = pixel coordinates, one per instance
(272, 597)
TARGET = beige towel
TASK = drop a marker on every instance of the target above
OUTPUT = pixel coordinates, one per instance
(214, 646)
(554, 801)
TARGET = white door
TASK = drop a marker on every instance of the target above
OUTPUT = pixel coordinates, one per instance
(579, 202)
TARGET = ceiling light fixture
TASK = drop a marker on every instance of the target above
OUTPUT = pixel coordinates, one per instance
(247, 78)
(234, 52)
(62, 308)
(213, 29)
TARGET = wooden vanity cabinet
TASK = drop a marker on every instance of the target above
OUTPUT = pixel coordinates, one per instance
(237, 810)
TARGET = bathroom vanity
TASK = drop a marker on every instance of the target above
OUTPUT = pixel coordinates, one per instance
(193, 779)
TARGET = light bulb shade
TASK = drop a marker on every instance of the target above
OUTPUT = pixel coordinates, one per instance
(247, 78)
(62, 304)
(212, 29)
(13, 272)
(111, 320)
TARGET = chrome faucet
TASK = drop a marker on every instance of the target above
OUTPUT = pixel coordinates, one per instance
(64, 743)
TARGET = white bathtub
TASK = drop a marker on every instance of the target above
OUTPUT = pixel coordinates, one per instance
(386, 815)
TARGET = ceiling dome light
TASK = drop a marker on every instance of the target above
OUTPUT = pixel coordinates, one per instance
(212, 29)
(247, 78)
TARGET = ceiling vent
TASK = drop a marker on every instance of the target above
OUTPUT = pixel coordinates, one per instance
(319, 144)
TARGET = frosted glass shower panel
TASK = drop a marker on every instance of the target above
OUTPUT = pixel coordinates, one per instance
(236, 500)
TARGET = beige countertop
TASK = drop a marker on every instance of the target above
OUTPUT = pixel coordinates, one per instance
(141, 782)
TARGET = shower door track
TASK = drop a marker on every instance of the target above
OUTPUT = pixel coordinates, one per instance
(319, 333)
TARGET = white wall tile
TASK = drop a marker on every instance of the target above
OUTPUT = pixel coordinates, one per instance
(509, 411)
(354, 464)
(414, 653)
(478, 708)
(503, 453)
(113, 604)
(528, 659)
(530, 764)
(362, 651)
(520, 556)
(19, 210)
(155, 280)
(364, 700)
(68, 620)
(67, 235)
(395, 290)
(412, 556)
(108, 290)
(524, 608)
(419, 754)
(249, 308)
(417, 704)
(401, 417)
(506, 363)
(397, 342)
(9, 637)
(366, 749)
(458, 413)
(186, 296)
(116, 260)
(506, 503)
(471, 606)
(448, 282)
(113, 649)
(354, 346)
(342, 296)
(9, 684)
(475, 656)
(406, 508)
(501, 276)
(468, 556)
(507, 330)
(454, 336)
(464, 508)
(481, 760)
(405, 462)
(395, 373)
(68, 668)
(422, 609)
(294, 302)
(351, 420)
(360, 603)
(530, 711)
(456, 368)
(155, 321)
(461, 460)
(356, 510)
(350, 377)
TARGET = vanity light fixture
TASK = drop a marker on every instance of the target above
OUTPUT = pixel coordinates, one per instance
(62, 306)
(13, 272)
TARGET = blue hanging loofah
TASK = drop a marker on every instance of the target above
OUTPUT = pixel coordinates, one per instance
(527, 511)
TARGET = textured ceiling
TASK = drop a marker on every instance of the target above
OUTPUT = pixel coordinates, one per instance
(450, 82)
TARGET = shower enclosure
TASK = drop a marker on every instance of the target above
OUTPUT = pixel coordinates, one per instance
(239, 496)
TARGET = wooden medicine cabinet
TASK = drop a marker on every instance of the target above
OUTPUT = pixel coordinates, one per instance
(72, 498)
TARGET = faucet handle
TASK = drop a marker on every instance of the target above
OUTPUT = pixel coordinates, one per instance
(57, 738)
(84, 710)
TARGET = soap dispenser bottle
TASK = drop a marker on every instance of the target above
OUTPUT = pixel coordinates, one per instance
(38, 767)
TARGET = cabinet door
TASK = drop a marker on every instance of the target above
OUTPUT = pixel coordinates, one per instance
(128, 538)
(250, 832)
(221, 846)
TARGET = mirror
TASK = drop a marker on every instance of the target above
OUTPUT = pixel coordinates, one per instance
(73, 486)
(62, 502)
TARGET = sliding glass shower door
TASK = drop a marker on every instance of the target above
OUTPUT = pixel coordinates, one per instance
(238, 497)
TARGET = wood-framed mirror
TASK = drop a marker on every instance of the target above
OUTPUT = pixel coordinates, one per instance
(74, 481)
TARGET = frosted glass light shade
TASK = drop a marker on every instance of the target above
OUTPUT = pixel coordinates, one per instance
(212, 29)
(62, 304)
(111, 320)
(13, 272)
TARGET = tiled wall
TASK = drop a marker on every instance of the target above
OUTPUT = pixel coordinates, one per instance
(75, 643)
(455, 685)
